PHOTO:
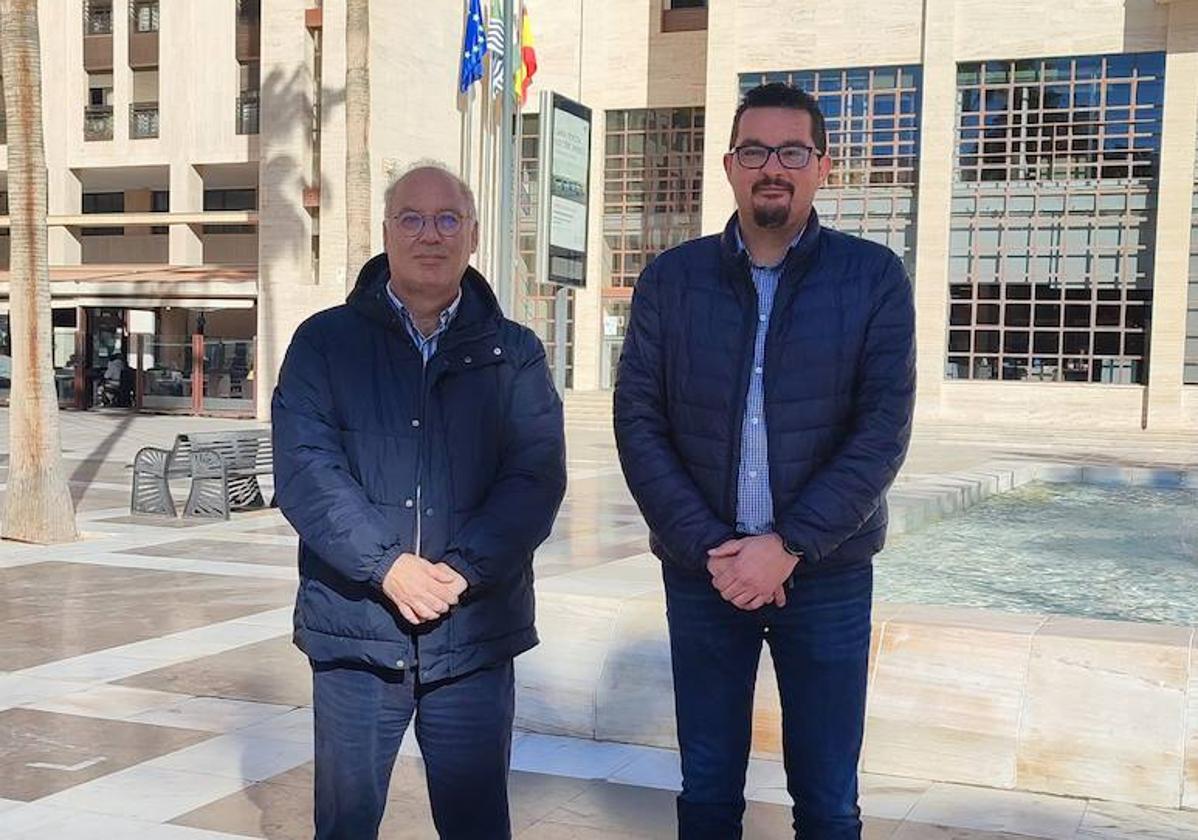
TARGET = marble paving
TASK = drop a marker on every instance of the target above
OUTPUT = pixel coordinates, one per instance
(148, 687)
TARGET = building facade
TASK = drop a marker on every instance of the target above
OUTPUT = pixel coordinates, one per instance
(196, 159)
(1039, 183)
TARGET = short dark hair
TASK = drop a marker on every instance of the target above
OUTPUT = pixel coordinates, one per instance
(782, 95)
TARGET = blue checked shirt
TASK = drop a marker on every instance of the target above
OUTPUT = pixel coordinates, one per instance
(754, 502)
(427, 345)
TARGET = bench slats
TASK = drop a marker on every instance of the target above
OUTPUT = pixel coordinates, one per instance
(242, 455)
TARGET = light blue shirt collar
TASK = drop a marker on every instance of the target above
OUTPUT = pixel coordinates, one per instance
(741, 248)
(444, 319)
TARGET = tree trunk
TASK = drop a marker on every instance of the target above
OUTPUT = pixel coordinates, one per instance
(358, 195)
(38, 506)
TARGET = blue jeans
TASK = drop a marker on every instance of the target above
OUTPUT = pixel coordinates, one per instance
(820, 645)
(463, 725)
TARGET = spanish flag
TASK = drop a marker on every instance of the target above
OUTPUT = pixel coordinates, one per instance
(528, 58)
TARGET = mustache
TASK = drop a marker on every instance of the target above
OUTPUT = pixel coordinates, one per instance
(774, 183)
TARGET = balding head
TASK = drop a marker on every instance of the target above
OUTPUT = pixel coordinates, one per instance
(430, 169)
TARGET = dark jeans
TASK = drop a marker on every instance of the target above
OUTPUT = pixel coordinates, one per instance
(820, 645)
(463, 725)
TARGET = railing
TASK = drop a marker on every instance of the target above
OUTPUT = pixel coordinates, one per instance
(143, 120)
(247, 112)
(143, 16)
(97, 122)
(97, 20)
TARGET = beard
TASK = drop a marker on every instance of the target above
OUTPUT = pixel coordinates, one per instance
(772, 216)
(775, 213)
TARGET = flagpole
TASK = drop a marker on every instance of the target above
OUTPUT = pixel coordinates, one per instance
(484, 189)
(494, 191)
(484, 182)
(507, 217)
(468, 149)
(464, 139)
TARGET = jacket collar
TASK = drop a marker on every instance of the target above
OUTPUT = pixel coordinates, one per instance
(478, 311)
(735, 254)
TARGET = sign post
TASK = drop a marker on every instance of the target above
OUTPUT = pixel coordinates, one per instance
(563, 210)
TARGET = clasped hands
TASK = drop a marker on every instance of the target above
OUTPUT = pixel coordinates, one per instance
(751, 572)
(422, 591)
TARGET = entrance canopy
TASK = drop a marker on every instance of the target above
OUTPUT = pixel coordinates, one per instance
(146, 286)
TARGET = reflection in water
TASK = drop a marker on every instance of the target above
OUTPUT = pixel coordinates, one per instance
(1124, 553)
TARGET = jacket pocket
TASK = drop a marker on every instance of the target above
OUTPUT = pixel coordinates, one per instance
(384, 464)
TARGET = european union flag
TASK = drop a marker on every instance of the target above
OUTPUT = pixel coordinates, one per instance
(474, 47)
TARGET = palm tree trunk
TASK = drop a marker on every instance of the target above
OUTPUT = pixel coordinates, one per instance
(357, 141)
(38, 506)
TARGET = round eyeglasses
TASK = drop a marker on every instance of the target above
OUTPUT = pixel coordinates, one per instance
(448, 223)
(791, 157)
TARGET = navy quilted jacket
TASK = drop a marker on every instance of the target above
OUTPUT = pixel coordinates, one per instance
(360, 424)
(839, 394)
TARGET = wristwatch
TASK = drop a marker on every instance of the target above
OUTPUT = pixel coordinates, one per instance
(796, 552)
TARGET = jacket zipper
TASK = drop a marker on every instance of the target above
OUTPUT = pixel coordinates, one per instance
(730, 489)
(420, 456)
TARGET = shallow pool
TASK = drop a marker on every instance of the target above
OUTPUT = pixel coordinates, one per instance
(1124, 553)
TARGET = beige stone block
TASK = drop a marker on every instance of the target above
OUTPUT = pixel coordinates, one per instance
(946, 695)
(1075, 405)
(767, 703)
(1189, 785)
(636, 689)
(1112, 821)
(1102, 714)
(557, 681)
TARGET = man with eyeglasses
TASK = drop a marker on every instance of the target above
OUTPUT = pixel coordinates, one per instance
(420, 456)
(762, 409)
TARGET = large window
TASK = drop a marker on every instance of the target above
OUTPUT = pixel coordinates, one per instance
(230, 199)
(872, 119)
(1053, 218)
(1060, 119)
(103, 202)
(653, 187)
(652, 200)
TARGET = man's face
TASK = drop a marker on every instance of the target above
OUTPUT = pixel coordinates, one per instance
(775, 197)
(432, 262)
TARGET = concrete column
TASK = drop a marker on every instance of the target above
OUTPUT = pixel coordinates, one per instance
(334, 244)
(1171, 279)
(590, 90)
(722, 99)
(64, 197)
(286, 294)
(588, 302)
(934, 201)
(187, 196)
(122, 76)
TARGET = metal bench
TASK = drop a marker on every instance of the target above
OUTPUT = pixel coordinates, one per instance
(223, 466)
